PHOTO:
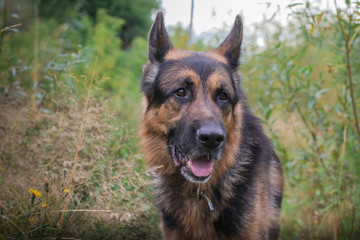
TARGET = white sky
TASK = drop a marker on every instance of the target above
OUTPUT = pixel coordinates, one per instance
(214, 13)
(225, 11)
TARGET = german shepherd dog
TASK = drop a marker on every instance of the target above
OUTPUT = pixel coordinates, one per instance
(217, 176)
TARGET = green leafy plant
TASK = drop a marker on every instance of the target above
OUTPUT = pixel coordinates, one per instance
(310, 111)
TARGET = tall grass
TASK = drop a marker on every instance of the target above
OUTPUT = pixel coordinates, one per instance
(105, 189)
(80, 134)
(306, 73)
(68, 168)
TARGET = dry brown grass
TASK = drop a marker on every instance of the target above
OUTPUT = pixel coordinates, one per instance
(37, 149)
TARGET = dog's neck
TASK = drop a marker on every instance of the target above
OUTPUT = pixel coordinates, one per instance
(201, 196)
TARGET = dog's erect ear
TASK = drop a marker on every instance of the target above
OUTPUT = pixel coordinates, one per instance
(159, 42)
(231, 46)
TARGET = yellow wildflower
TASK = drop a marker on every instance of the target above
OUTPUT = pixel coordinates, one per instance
(30, 219)
(44, 205)
(66, 190)
(35, 192)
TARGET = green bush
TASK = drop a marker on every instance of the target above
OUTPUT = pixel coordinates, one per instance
(308, 109)
(68, 161)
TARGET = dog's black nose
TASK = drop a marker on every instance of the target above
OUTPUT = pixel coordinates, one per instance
(211, 136)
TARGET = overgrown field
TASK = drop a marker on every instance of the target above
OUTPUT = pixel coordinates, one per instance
(70, 105)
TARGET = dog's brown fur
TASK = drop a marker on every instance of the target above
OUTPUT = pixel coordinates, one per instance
(246, 183)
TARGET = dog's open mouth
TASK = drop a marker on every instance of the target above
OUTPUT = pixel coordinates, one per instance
(194, 169)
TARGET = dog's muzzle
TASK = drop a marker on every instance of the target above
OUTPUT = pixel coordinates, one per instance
(197, 165)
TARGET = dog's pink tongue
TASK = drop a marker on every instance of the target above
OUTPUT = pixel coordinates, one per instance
(201, 167)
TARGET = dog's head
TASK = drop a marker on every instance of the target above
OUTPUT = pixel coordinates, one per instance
(192, 112)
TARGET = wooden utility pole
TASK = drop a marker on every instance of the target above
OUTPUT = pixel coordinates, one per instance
(191, 19)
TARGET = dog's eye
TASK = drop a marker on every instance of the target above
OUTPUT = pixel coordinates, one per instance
(223, 97)
(181, 92)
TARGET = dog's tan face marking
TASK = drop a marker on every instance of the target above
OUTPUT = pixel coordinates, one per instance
(176, 54)
(213, 54)
(178, 77)
(220, 79)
